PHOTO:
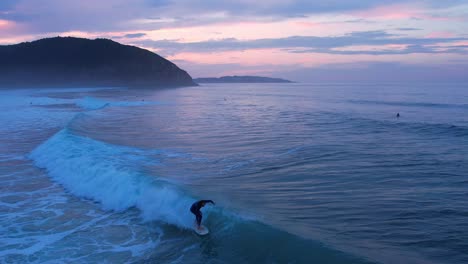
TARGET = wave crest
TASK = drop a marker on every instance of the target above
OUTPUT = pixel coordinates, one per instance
(109, 174)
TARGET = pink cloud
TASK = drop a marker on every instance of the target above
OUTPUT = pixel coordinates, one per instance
(245, 72)
(461, 43)
(405, 11)
(393, 12)
(390, 12)
(259, 57)
(386, 47)
(6, 24)
(281, 58)
(440, 34)
(307, 24)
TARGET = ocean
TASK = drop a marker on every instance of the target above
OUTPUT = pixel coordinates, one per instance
(300, 173)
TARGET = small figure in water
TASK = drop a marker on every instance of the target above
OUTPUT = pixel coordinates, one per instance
(195, 209)
(398, 115)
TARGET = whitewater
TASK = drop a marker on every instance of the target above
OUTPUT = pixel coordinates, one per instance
(300, 173)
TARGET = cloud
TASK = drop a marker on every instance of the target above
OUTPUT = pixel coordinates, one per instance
(261, 36)
(409, 49)
(135, 35)
(6, 5)
(379, 72)
(134, 15)
(272, 8)
(408, 29)
(85, 15)
(198, 70)
(306, 44)
(360, 71)
(130, 36)
(279, 8)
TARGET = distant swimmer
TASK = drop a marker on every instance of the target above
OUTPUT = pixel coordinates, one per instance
(398, 115)
(195, 209)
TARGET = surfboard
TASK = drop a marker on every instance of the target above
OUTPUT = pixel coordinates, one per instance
(202, 231)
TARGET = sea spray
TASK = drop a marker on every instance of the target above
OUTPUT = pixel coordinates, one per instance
(108, 174)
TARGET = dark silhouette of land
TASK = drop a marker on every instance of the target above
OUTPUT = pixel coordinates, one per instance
(241, 79)
(74, 62)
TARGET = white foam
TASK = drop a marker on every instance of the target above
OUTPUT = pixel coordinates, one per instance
(41, 241)
(109, 174)
(91, 103)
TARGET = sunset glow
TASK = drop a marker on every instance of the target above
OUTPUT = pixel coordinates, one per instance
(5, 24)
(250, 34)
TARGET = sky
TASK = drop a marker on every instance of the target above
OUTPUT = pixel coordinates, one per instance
(301, 40)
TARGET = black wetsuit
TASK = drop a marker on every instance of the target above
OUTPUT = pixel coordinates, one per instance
(195, 209)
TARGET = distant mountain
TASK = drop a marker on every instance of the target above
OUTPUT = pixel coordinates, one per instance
(66, 62)
(241, 79)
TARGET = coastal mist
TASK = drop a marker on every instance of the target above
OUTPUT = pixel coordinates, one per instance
(300, 173)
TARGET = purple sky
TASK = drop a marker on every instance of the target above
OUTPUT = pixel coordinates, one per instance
(303, 40)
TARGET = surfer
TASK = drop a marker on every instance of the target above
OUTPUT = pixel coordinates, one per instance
(398, 115)
(195, 209)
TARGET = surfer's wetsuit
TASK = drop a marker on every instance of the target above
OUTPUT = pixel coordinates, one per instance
(195, 209)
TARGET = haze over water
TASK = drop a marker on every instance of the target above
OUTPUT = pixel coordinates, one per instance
(300, 173)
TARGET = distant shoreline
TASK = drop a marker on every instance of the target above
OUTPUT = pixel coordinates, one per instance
(241, 79)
